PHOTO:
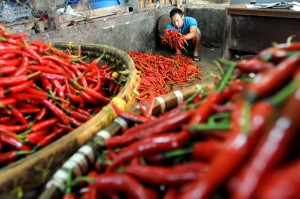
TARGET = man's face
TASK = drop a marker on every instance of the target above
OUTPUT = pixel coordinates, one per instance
(177, 20)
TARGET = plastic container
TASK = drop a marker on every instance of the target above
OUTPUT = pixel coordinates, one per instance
(106, 3)
(72, 2)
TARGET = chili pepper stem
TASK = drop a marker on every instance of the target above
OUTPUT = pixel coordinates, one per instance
(285, 92)
(206, 127)
(82, 178)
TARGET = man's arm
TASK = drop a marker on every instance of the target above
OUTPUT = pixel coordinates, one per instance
(192, 33)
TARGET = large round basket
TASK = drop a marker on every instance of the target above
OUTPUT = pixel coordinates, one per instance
(23, 178)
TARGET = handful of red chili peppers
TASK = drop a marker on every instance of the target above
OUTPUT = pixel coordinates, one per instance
(46, 93)
(174, 38)
(236, 141)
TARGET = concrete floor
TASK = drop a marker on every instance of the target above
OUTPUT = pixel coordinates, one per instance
(208, 55)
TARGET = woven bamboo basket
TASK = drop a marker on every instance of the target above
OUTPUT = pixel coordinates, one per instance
(23, 178)
(56, 186)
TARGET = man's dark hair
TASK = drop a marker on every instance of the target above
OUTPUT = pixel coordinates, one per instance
(175, 11)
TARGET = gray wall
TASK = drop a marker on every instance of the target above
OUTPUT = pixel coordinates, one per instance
(135, 32)
(210, 18)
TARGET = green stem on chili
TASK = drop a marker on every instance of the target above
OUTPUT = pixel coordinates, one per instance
(201, 89)
(69, 181)
(177, 152)
(284, 93)
(77, 180)
(212, 119)
(219, 67)
(226, 77)
(206, 127)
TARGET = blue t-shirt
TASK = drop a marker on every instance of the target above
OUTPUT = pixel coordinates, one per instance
(187, 23)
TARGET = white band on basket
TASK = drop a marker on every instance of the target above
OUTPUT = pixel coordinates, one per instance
(72, 165)
(59, 179)
(59, 183)
(179, 96)
(79, 158)
(89, 152)
(103, 134)
(199, 87)
(162, 103)
(121, 122)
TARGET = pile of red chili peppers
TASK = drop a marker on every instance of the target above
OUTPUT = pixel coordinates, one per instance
(236, 141)
(161, 75)
(46, 93)
(174, 39)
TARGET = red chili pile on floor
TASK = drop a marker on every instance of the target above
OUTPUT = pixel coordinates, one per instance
(239, 140)
(174, 39)
(46, 93)
(161, 75)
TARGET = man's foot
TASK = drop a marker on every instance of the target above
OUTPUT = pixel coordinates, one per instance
(196, 58)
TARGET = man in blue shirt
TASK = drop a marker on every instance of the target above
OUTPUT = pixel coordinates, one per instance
(188, 27)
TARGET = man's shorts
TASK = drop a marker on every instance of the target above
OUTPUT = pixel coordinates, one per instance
(198, 31)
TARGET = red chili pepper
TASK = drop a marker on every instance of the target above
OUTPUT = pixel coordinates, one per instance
(27, 48)
(206, 150)
(150, 105)
(46, 84)
(69, 196)
(20, 87)
(254, 65)
(23, 66)
(13, 80)
(7, 102)
(52, 76)
(237, 146)
(35, 91)
(45, 69)
(5, 70)
(28, 110)
(205, 110)
(75, 122)
(104, 100)
(150, 145)
(36, 137)
(13, 62)
(121, 183)
(14, 142)
(58, 112)
(79, 116)
(162, 126)
(159, 175)
(127, 115)
(41, 115)
(86, 97)
(49, 138)
(43, 124)
(272, 149)
(265, 83)
(27, 96)
(94, 63)
(282, 183)
(10, 156)
(19, 116)
(65, 127)
(15, 128)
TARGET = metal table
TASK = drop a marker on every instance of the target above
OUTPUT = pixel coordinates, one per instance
(252, 30)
